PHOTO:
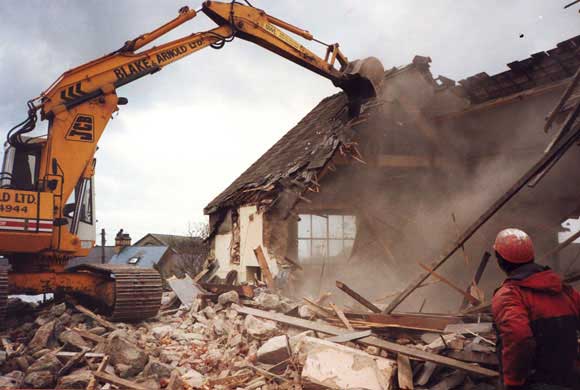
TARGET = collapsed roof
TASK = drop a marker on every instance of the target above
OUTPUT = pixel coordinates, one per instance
(300, 155)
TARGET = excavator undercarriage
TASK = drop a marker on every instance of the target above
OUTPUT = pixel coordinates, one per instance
(121, 293)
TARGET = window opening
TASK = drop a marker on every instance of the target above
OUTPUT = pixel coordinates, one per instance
(325, 237)
(134, 260)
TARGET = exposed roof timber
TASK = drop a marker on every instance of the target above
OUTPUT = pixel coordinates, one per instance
(299, 159)
(537, 91)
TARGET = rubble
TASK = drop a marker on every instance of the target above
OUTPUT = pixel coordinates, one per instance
(338, 367)
(220, 341)
(12, 380)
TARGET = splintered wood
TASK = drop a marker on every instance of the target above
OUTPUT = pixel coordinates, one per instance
(467, 295)
(266, 274)
(371, 341)
(405, 373)
(357, 297)
(120, 382)
(95, 317)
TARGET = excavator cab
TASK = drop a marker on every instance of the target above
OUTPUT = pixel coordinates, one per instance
(24, 206)
(20, 166)
(24, 209)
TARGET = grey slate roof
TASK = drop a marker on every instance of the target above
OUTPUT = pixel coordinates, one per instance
(149, 255)
(163, 239)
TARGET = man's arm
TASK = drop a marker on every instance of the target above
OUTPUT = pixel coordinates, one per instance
(518, 344)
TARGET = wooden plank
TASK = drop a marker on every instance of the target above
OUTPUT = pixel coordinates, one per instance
(489, 359)
(231, 381)
(517, 97)
(568, 140)
(558, 248)
(563, 99)
(264, 267)
(88, 335)
(350, 336)
(95, 317)
(479, 327)
(357, 297)
(381, 326)
(71, 363)
(88, 355)
(466, 295)
(93, 381)
(371, 340)
(115, 380)
(341, 316)
(267, 373)
(404, 372)
(476, 279)
(318, 309)
(411, 320)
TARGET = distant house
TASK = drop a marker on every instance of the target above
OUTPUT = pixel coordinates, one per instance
(192, 250)
(169, 254)
(156, 239)
(161, 258)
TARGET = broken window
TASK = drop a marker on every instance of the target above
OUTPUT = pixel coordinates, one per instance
(325, 236)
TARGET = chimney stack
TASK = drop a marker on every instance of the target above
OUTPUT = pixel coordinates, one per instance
(122, 240)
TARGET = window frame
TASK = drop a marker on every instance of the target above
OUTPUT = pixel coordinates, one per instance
(328, 238)
(136, 258)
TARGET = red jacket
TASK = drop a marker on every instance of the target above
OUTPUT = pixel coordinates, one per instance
(537, 318)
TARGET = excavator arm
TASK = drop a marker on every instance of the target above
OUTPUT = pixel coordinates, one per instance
(39, 230)
(358, 79)
(79, 104)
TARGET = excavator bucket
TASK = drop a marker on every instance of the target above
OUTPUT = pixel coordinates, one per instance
(363, 79)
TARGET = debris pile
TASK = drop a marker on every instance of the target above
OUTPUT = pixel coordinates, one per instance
(228, 341)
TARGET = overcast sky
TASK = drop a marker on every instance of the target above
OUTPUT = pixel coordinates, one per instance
(191, 129)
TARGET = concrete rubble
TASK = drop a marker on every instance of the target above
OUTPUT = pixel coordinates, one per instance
(209, 344)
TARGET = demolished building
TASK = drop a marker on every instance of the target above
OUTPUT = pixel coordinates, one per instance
(365, 199)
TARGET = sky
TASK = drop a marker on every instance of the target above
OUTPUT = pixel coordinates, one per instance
(191, 129)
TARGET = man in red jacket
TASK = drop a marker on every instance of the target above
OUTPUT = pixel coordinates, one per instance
(537, 318)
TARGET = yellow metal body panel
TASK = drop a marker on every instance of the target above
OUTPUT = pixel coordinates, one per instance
(26, 221)
(85, 283)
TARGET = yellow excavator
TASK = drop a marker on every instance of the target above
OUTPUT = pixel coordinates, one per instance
(47, 213)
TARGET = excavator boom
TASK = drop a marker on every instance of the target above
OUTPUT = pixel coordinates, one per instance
(46, 190)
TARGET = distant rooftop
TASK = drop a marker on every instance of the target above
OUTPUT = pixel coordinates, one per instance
(142, 256)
